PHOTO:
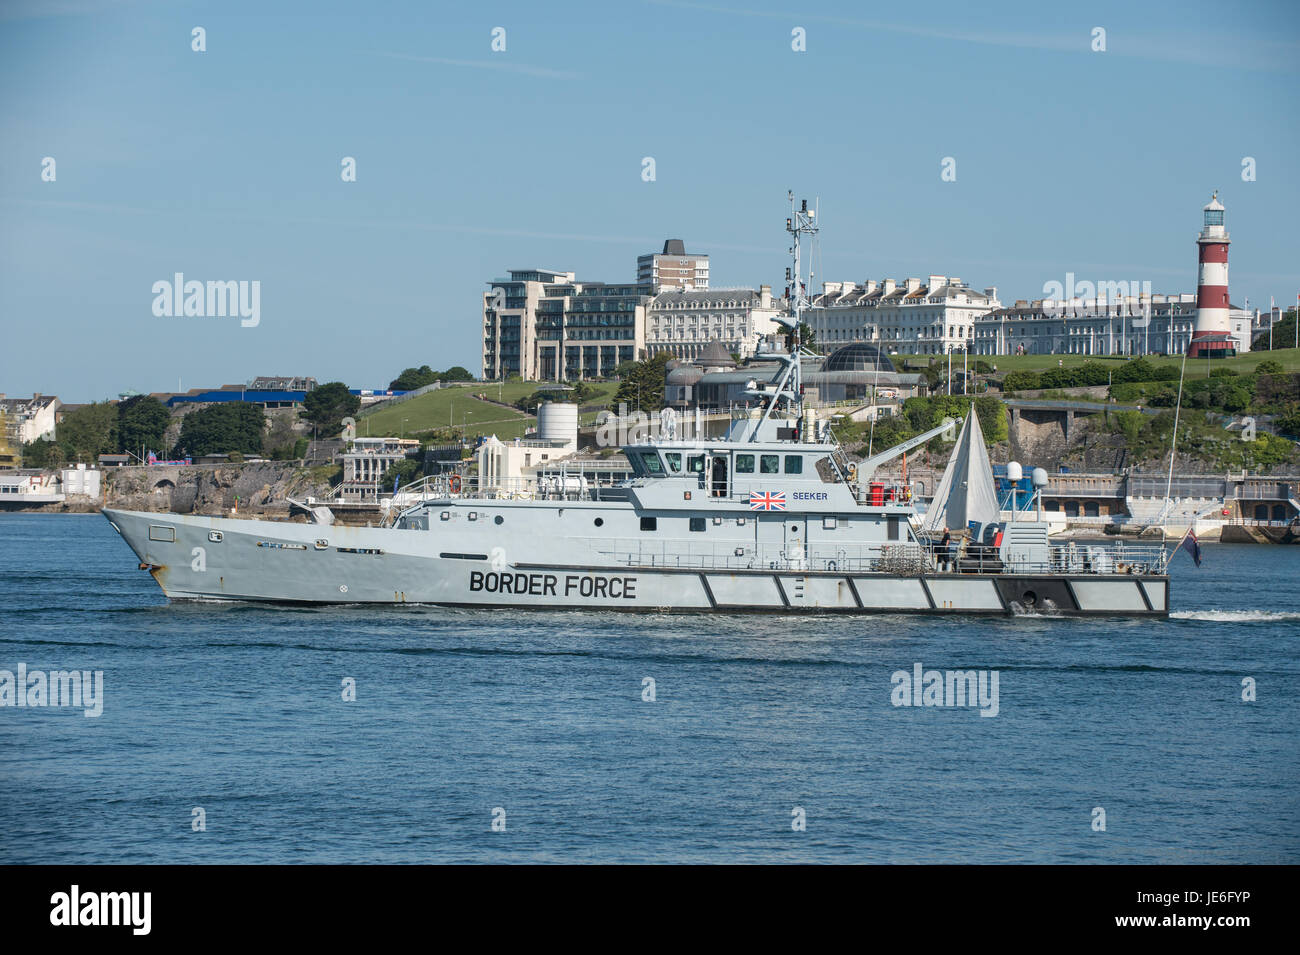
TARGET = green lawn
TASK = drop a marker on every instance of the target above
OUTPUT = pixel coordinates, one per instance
(447, 407)
(458, 407)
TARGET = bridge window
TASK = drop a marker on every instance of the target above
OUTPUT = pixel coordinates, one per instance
(744, 464)
(674, 460)
(695, 463)
(770, 464)
(652, 463)
(794, 464)
(649, 523)
(697, 523)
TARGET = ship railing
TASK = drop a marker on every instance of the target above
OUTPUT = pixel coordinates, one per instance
(883, 493)
(1074, 558)
(904, 560)
(564, 486)
(901, 560)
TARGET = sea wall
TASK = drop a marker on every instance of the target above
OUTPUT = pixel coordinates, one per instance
(210, 489)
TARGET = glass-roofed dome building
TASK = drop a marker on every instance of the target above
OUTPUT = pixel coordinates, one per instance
(859, 356)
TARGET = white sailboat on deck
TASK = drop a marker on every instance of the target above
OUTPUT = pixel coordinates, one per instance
(966, 492)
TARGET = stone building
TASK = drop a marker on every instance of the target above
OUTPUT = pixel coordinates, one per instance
(910, 317)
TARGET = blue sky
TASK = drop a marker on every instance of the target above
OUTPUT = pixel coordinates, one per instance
(225, 165)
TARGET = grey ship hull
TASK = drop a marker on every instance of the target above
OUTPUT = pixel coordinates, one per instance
(206, 558)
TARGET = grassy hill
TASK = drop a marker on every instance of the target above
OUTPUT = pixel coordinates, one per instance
(460, 408)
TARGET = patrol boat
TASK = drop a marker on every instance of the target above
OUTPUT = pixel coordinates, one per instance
(771, 518)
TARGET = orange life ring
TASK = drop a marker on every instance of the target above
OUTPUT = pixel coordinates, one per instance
(454, 484)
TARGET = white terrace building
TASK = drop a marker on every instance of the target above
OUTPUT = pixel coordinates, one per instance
(1127, 325)
(27, 419)
(683, 322)
(909, 317)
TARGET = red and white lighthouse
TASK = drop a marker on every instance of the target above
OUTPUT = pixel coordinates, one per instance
(1212, 337)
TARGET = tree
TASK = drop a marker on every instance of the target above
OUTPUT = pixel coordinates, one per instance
(643, 388)
(1284, 335)
(88, 432)
(327, 405)
(142, 422)
(413, 378)
(992, 415)
(886, 433)
(222, 428)
(1020, 381)
(1130, 425)
(42, 453)
(407, 469)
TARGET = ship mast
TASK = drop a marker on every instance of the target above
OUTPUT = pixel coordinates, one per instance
(800, 223)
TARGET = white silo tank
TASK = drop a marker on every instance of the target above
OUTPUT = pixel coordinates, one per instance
(558, 421)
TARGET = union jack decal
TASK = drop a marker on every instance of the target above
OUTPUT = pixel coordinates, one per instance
(767, 500)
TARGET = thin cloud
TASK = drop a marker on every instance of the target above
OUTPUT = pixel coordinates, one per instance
(502, 65)
(1255, 53)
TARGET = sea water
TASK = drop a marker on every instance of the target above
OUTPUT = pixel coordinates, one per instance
(233, 732)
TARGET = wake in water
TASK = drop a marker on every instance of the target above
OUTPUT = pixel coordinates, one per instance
(1237, 616)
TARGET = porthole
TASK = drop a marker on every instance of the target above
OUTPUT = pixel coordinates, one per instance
(599, 522)
(473, 515)
(215, 536)
(499, 519)
(445, 516)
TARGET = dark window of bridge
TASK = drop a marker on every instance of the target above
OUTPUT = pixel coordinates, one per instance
(649, 523)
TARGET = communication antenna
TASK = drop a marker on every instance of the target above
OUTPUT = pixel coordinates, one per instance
(801, 222)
